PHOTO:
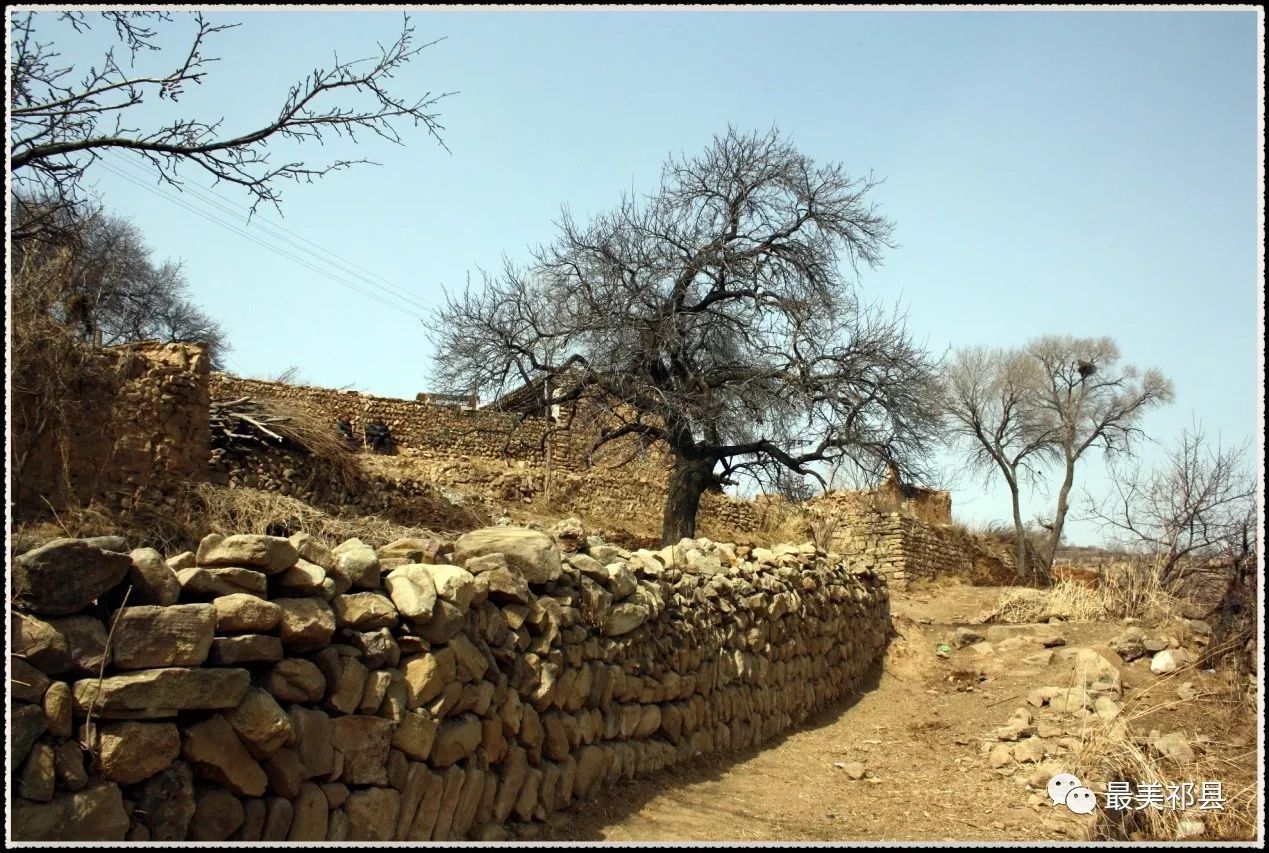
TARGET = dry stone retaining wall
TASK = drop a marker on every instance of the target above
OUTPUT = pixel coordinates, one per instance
(903, 549)
(274, 689)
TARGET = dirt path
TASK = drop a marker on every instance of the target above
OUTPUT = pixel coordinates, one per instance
(917, 733)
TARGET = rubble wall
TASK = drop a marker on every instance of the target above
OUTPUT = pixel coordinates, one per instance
(274, 689)
(135, 435)
(902, 549)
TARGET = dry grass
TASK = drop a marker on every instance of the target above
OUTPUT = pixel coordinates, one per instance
(779, 521)
(205, 508)
(1116, 750)
(1137, 589)
(332, 464)
(54, 375)
(313, 433)
(1131, 590)
(1066, 600)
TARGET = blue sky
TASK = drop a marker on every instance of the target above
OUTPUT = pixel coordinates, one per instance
(1091, 173)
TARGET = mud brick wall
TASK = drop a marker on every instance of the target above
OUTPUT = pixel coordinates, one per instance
(439, 430)
(141, 435)
(277, 689)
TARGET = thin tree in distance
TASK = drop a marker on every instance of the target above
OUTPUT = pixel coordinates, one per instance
(1024, 411)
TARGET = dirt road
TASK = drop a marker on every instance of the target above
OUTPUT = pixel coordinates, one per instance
(917, 733)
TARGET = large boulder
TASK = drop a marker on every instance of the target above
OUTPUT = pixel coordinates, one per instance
(307, 623)
(87, 638)
(415, 734)
(624, 618)
(455, 585)
(412, 591)
(165, 803)
(1168, 660)
(134, 751)
(28, 723)
(261, 722)
(296, 680)
(570, 534)
(457, 738)
(93, 814)
(158, 693)
(364, 611)
(215, 752)
(313, 549)
(245, 648)
(427, 675)
(358, 562)
(150, 636)
(531, 552)
(153, 581)
(200, 582)
(1096, 673)
(270, 554)
(412, 549)
(65, 576)
(40, 644)
(29, 684)
(314, 741)
(242, 612)
(364, 742)
(217, 814)
(372, 814)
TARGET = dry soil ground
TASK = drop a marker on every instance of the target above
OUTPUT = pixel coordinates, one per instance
(919, 725)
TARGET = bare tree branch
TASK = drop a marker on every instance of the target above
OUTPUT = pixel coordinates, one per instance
(715, 317)
(63, 119)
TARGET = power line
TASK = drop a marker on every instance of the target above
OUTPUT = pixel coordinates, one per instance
(280, 232)
(210, 217)
(309, 262)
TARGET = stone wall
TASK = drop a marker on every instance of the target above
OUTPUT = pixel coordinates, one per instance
(440, 430)
(274, 689)
(139, 433)
(903, 548)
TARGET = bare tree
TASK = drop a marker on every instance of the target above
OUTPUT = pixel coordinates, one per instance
(1234, 631)
(992, 406)
(64, 117)
(1087, 399)
(717, 317)
(111, 290)
(1193, 507)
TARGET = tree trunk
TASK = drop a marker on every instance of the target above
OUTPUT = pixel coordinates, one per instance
(688, 482)
(1021, 563)
(1059, 517)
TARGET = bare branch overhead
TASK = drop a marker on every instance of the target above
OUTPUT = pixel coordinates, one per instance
(63, 118)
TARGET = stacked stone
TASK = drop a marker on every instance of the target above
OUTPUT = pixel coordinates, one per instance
(274, 689)
(444, 429)
(877, 540)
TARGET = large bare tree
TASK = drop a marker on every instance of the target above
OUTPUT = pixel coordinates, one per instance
(1024, 411)
(65, 116)
(1087, 400)
(718, 317)
(991, 398)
